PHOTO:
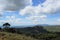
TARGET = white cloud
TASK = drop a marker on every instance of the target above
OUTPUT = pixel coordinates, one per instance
(31, 10)
(2, 4)
(13, 5)
(26, 8)
(14, 21)
(1, 13)
(55, 23)
(42, 17)
(10, 17)
(34, 12)
(49, 6)
(37, 19)
(58, 20)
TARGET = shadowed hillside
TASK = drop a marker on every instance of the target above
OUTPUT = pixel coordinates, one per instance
(32, 30)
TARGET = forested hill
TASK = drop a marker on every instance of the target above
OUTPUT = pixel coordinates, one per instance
(32, 30)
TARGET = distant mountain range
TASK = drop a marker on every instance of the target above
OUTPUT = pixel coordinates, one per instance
(44, 24)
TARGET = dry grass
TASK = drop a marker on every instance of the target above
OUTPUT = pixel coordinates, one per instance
(13, 36)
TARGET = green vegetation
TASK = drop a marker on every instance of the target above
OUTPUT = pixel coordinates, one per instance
(53, 28)
(31, 33)
(14, 36)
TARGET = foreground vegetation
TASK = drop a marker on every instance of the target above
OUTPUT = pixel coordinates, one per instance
(14, 36)
(30, 33)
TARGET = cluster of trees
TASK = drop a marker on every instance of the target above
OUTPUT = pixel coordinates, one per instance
(6, 28)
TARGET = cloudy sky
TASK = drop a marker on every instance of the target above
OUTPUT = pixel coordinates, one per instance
(30, 12)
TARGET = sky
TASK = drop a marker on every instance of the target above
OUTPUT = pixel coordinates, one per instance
(29, 12)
